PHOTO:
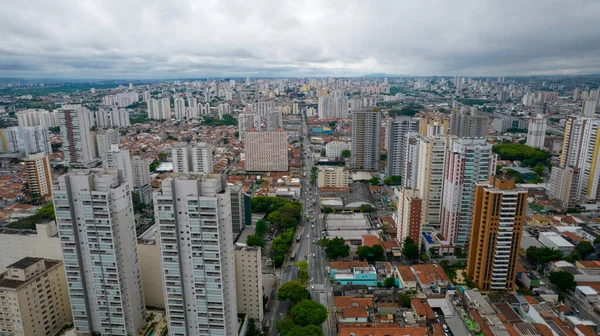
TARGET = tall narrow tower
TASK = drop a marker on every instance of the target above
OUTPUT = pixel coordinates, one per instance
(94, 214)
(75, 124)
(196, 240)
(366, 133)
(496, 235)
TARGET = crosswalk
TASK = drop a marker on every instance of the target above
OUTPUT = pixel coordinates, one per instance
(317, 287)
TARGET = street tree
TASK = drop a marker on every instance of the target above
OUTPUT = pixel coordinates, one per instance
(255, 240)
(293, 291)
(409, 249)
(335, 248)
(563, 280)
(309, 312)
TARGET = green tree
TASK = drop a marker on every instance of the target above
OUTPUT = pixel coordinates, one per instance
(139, 207)
(366, 208)
(261, 228)
(293, 291)
(323, 153)
(393, 180)
(382, 157)
(327, 210)
(309, 312)
(302, 271)
(404, 300)
(252, 329)
(528, 156)
(284, 326)
(374, 253)
(542, 255)
(374, 181)
(255, 240)
(584, 248)
(335, 248)
(309, 330)
(162, 156)
(236, 134)
(597, 240)
(409, 249)
(563, 280)
(346, 153)
(54, 130)
(389, 282)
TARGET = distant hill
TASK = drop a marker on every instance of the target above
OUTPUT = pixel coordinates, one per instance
(381, 75)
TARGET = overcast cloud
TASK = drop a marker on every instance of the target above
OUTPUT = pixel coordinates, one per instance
(201, 38)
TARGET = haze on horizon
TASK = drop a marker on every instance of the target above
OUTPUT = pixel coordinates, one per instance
(192, 39)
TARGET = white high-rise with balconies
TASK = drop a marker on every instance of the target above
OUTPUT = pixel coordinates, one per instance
(193, 214)
(197, 158)
(246, 122)
(468, 161)
(430, 180)
(118, 159)
(75, 124)
(536, 132)
(94, 214)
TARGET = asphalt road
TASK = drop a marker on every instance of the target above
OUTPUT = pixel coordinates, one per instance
(311, 228)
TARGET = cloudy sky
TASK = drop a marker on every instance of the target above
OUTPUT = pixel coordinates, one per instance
(201, 38)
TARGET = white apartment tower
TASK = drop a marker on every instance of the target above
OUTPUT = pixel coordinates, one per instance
(246, 122)
(179, 107)
(197, 258)
(468, 161)
(105, 139)
(366, 134)
(536, 132)
(141, 171)
(334, 149)
(197, 158)
(266, 151)
(118, 159)
(75, 124)
(35, 117)
(274, 120)
(94, 214)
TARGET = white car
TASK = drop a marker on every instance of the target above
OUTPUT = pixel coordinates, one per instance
(308, 236)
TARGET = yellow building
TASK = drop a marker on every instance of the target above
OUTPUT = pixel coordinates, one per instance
(34, 300)
(496, 234)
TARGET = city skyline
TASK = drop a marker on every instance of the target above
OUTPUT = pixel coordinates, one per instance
(315, 38)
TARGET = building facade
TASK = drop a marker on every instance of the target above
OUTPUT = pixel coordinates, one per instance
(266, 151)
(468, 161)
(366, 132)
(536, 131)
(334, 149)
(75, 125)
(397, 145)
(409, 215)
(196, 241)
(468, 123)
(430, 181)
(34, 300)
(249, 288)
(39, 175)
(197, 158)
(332, 177)
(498, 217)
(94, 214)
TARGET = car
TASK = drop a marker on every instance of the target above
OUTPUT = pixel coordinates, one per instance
(312, 287)
(445, 327)
(312, 226)
(307, 235)
(314, 241)
(314, 255)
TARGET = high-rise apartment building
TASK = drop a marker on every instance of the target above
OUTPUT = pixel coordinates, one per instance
(39, 175)
(589, 108)
(237, 208)
(34, 300)
(94, 214)
(193, 214)
(274, 120)
(18, 244)
(496, 234)
(580, 150)
(266, 151)
(105, 139)
(366, 131)
(114, 117)
(37, 117)
(249, 289)
(179, 107)
(468, 123)
(397, 145)
(119, 159)
(246, 122)
(536, 131)
(223, 109)
(430, 181)
(142, 181)
(468, 161)
(563, 184)
(409, 215)
(75, 125)
(197, 158)
(25, 140)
